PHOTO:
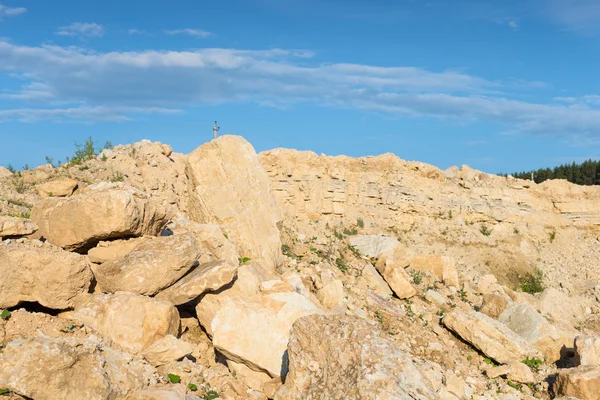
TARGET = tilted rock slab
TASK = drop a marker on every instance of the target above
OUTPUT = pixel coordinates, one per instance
(105, 211)
(14, 226)
(491, 337)
(153, 265)
(582, 382)
(343, 357)
(374, 245)
(167, 350)
(46, 368)
(112, 250)
(587, 350)
(207, 277)
(61, 187)
(213, 241)
(228, 186)
(551, 338)
(255, 331)
(133, 321)
(47, 275)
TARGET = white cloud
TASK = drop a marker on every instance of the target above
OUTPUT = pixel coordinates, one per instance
(117, 85)
(81, 29)
(576, 15)
(6, 11)
(191, 32)
(513, 24)
(135, 31)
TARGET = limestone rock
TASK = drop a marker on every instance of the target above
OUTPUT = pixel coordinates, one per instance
(562, 307)
(153, 265)
(373, 245)
(371, 280)
(14, 226)
(494, 303)
(47, 275)
(171, 392)
(491, 337)
(61, 187)
(167, 350)
(552, 339)
(249, 278)
(208, 277)
(582, 382)
(4, 172)
(255, 331)
(331, 294)
(113, 250)
(213, 241)
(441, 266)
(435, 298)
(397, 279)
(587, 350)
(131, 320)
(228, 186)
(342, 357)
(105, 211)
(515, 371)
(45, 368)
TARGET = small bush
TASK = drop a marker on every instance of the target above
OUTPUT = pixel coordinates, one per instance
(360, 223)
(485, 231)
(11, 168)
(5, 315)
(533, 283)
(552, 236)
(338, 235)
(243, 260)
(417, 277)
(533, 362)
(117, 177)
(174, 378)
(226, 236)
(350, 232)
(341, 264)
(355, 251)
(192, 387)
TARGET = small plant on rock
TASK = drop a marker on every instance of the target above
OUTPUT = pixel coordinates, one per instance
(192, 387)
(243, 260)
(533, 282)
(341, 264)
(117, 176)
(174, 378)
(360, 223)
(552, 236)
(485, 231)
(532, 362)
(417, 277)
(5, 315)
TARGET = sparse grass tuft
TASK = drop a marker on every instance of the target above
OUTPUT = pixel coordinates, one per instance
(360, 223)
(117, 176)
(485, 231)
(552, 236)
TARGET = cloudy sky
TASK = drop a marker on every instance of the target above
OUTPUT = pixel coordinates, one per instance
(499, 85)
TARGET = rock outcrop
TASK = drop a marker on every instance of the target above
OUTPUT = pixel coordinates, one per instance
(47, 368)
(41, 273)
(491, 337)
(341, 357)
(15, 226)
(582, 382)
(133, 321)
(226, 181)
(105, 211)
(151, 266)
(62, 187)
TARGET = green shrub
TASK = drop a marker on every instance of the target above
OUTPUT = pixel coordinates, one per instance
(341, 264)
(532, 362)
(192, 387)
(174, 378)
(117, 176)
(11, 168)
(417, 277)
(360, 223)
(485, 231)
(5, 315)
(552, 236)
(533, 283)
(350, 232)
(243, 260)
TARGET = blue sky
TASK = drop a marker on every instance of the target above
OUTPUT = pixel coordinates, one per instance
(498, 85)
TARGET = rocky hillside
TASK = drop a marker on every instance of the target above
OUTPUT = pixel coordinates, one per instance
(147, 274)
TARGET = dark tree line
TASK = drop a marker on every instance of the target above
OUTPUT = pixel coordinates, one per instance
(586, 173)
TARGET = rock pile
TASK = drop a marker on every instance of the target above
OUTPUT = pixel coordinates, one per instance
(147, 274)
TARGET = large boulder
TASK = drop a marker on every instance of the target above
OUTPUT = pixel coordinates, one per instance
(373, 245)
(112, 250)
(553, 339)
(153, 265)
(61, 187)
(587, 350)
(397, 278)
(229, 187)
(441, 266)
(105, 211)
(249, 278)
(14, 226)
(255, 331)
(214, 243)
(45, 368)
(343, 357)
(45, 274)
(208, 277)
(489, 336)
(131, 320)
(582, 382)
